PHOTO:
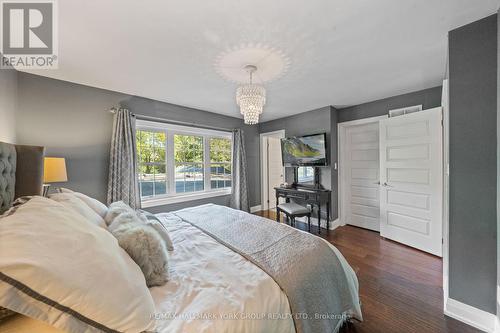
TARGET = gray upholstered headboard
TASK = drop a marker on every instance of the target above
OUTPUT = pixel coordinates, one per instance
(21, 172)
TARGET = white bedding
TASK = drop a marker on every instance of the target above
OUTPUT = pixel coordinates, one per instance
(208, 284)
(211, 289)
(208, 279)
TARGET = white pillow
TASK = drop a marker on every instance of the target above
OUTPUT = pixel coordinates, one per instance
(73, 276)
(71, 201)
(144, 245)
(96, 205)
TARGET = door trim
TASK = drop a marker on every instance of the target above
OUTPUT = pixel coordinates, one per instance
(263, 162)
(445, 106)
(342, 139)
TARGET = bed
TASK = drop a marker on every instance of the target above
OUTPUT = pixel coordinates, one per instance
(218, 281)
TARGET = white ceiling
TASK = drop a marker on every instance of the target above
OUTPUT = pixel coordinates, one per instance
(342, 52)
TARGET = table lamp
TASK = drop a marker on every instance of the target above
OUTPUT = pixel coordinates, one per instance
(54, 171)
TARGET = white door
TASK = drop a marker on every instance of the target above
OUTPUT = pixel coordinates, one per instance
(274, 168)
(411, 180)
(362, 175)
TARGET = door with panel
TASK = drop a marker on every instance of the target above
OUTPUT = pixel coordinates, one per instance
(274, 168)
(411, 180)
(362, 168)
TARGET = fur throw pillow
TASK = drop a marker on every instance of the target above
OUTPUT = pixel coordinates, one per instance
(153, 221)
(115, 209)
(141, 241)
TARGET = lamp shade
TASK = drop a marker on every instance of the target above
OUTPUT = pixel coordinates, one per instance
(54, 170)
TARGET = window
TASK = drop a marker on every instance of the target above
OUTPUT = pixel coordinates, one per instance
(188, 150)
(180, 163)
(305, 174)
(220, 162)
(152, 165)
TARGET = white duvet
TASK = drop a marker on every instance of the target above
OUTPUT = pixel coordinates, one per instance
(211, 289)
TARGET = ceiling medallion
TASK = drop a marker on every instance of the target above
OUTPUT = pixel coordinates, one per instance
(251, 66)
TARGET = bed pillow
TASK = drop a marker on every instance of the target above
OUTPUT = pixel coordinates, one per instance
(153, 221)
(71, 201)
(115, 209)
(142, 243)
(119, 207)
(73, 275)
(94, 204)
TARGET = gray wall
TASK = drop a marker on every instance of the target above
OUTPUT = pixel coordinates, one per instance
(8, 104)
(429, 98)
(71, 121)
(473, 168)
(311, 122)
(498, 165)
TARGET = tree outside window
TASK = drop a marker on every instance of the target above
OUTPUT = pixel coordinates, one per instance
(188, 154)
(151, 163)
(220, 163)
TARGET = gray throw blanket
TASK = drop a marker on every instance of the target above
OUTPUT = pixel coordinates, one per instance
(318, 285)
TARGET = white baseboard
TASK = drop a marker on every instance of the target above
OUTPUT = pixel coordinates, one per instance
(470, 315)
(255, 208)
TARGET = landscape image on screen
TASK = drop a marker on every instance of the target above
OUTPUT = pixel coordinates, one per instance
(306, 150)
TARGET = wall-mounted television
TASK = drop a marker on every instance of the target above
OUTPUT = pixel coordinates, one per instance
(308, 150)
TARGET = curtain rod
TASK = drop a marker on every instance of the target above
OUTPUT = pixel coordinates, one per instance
(175, 122)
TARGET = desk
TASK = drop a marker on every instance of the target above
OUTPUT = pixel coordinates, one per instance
(314, 197)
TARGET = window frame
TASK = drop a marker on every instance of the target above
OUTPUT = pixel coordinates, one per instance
(170, 130)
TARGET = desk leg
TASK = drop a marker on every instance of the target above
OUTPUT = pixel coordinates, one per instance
(319, 218)
(277, 209)
(327, 216)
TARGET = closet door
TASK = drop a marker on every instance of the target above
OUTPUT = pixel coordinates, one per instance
(362, 167)
(411, 180)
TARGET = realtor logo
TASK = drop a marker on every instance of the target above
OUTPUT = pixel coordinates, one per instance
(28, 36)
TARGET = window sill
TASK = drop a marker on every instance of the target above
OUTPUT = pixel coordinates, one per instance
(153, 202)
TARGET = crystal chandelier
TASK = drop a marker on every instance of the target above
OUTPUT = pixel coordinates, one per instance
(251, 98)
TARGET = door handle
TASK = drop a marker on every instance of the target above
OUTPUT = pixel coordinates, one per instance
(387, 185)
(377, 183)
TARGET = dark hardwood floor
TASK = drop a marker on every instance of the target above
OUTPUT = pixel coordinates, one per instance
(400, 287)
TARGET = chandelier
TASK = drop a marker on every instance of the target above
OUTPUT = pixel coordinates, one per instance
(251, 98)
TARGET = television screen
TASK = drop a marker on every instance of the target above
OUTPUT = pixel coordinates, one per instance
(304, 150)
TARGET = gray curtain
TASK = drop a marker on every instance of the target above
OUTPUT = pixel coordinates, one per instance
(122, 181)
(239, 193)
